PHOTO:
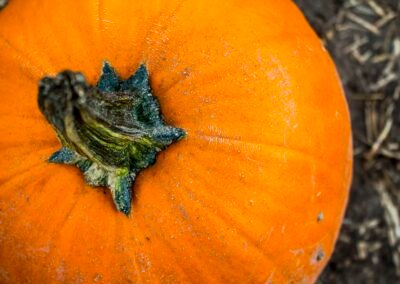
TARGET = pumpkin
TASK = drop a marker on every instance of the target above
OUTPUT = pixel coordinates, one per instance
(247, 182)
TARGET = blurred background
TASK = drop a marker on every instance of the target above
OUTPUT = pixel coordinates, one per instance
(363, 37)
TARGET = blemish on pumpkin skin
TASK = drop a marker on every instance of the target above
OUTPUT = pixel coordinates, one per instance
(4, 275)
(183, 212)
(245, 245)
(317, 256)
(45, 249)
(79, 278)
(264, 238)
(143, 262)
(186, 72)
(98, 277)
(297, 252)
(306, 280)
(270, 278)
(60, 272)
(320, 217)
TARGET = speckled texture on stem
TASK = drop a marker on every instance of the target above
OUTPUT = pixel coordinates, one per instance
(110, 131)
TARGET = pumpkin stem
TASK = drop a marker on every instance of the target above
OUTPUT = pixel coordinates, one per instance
(110, 131)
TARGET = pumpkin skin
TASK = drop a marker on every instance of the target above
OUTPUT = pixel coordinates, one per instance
(254, 193)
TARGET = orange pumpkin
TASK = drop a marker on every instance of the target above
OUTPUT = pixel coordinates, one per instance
(255, 191)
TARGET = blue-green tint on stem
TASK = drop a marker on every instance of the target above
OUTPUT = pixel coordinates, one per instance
(110, 131)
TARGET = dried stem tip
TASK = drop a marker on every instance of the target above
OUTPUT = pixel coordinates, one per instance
(110, 131)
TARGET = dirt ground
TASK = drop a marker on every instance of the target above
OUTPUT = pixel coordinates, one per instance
(364, 40)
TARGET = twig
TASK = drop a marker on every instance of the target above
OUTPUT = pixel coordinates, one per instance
(363, 23)
(393, 222)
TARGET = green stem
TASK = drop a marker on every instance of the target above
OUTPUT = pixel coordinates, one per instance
(110, 131)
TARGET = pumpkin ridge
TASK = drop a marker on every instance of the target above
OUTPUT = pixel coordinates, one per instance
(57, 234)
(42, 144)
(217, 200)
(225, 222)
(25, 178)
(167, 242)
(13, 115)
(25, 60)
(206, 138)
(100, 15)
(156, 24)
(314, 244)
(19, 172)
(274, 202)
(135, 262)
(225, 219)
(168, 246)
(211, 197)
